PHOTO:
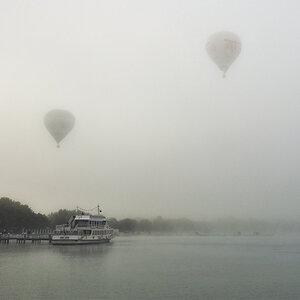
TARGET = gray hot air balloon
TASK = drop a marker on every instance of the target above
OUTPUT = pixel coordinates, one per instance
(223, 48)
(59, 123)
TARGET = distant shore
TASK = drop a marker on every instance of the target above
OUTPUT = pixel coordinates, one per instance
(15, 217)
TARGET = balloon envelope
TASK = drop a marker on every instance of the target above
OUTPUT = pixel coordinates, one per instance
(59, 123)
(223, 48)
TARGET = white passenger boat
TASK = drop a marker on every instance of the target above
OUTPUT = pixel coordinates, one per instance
(83, 229)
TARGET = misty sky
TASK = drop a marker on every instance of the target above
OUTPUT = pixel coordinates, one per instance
(158, 130)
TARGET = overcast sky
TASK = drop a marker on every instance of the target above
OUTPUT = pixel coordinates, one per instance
(158, 130)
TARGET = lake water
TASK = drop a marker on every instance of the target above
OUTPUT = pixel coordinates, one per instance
(154, 267)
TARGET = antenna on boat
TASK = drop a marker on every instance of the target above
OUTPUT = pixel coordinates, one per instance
(99, 211)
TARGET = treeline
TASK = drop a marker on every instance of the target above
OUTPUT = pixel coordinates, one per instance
(158, 224)
(228, 226)
(60, 217)
(15, 217)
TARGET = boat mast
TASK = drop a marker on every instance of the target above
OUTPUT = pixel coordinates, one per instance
(99, 211)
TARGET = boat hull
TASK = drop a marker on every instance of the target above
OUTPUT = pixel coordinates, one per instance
(71, 240)
(78, 242)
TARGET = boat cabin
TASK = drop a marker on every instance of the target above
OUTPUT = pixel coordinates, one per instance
(83, 222)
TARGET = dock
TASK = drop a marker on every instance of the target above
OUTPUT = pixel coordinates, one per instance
(23, 237)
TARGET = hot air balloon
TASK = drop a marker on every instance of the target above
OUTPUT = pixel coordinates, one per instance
(59, 123)
(223, 48)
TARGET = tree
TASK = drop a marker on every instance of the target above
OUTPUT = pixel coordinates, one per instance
(144, 225)
(127, 225)
(60, 217)
(113, 222)
(15, 216)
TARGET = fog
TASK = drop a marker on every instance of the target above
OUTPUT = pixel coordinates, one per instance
(158, 131)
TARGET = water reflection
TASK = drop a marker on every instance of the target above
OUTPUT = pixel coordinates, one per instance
(93, 250)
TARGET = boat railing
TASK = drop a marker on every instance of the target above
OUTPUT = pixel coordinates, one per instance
(66, 233)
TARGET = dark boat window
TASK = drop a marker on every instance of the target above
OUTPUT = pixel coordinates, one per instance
(81, 223)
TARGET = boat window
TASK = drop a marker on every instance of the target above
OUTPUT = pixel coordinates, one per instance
(82, 223)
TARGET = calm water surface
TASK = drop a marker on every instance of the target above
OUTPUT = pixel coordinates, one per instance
(151, 267)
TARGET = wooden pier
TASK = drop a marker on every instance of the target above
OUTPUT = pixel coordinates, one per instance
(22, 238)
